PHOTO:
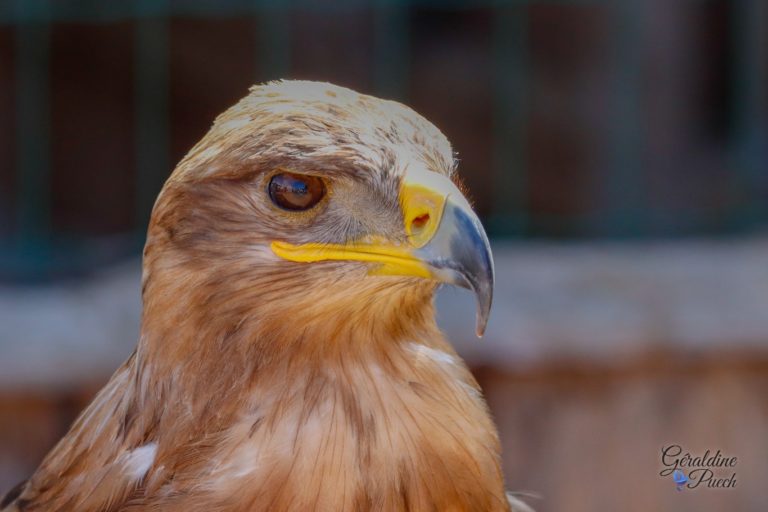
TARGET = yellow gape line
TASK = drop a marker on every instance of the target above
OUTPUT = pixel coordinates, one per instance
(394, 260)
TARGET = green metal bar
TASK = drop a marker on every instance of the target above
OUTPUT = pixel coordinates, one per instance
(273, 33)
(33, 200)
(151, 76)
(391, 49)
(750, 88)
(624, 188)
(510, 121)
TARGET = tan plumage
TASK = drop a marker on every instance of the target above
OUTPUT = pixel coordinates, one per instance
(260, 383)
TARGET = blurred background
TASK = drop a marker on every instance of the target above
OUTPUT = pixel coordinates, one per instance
(616, 150)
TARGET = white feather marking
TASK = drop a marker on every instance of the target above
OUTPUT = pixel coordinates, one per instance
(425, 352)
(209, 153)
(138, 461)
(234, 124)
(241, 462)
(263, 252)
(471, 391)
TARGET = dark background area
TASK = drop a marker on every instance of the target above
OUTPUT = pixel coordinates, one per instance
(617, 152)
(570, 119)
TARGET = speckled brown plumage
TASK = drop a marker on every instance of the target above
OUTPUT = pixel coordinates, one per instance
(265, 384)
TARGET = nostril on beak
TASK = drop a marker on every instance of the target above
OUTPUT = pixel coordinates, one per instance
(420, 226)
(419, 223)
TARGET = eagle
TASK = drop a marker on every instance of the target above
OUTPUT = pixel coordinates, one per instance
(289, 358)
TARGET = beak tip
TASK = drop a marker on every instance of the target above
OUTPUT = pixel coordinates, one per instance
(483, 312)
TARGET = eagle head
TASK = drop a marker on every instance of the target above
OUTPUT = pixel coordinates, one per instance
(313, 201)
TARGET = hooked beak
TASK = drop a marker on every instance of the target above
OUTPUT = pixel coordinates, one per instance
(459, 254)
(446, 242)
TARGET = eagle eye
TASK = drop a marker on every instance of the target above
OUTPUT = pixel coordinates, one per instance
(296, 192)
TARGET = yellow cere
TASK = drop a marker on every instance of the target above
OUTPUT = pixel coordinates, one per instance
(422, 209)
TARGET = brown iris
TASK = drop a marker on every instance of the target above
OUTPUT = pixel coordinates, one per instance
(296, 191)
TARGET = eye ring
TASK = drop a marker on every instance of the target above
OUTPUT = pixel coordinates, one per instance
(295, 192)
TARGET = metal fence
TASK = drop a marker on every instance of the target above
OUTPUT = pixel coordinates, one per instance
(33, 251)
